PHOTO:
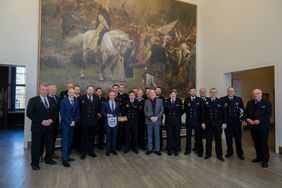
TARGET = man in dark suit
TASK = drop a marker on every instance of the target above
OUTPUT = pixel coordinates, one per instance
(101, 121)
(69, 111)
(42, 111)
(141, 120)
(257, 115)
(214, 122)
(64, 94)
(153, 111)
(111, 110)
(131, 126)
(89, 115)
(53, 94)
(173, 111)
(234, 115)
(193, 107)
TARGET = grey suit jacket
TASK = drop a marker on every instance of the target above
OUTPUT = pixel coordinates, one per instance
(148, 111)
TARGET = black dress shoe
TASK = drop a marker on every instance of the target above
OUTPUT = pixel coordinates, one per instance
(176, 154)
(82, 157)
(264, 164)
(148, 152)
(114, 152)
(187, 152)
(51, 162)
(206, 157)
(256, 160)
(241, 157)
(220, 158)
(125, 151)
(107, 153)
(66, 164)
(136, 151)
(158, 153)
(228, 155)
(35, 167)
(169, 153)
(93, 155)
(200, 155)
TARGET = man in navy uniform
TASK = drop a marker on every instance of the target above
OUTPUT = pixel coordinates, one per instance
(193, 107)
(69, 111)
(215, 121)
(42, 112)
(234, 115)
(101, 121)
(111, 110)
(141, 119)
(173, 111)
(131, 126)
(121, 98)
(153, 111)
(89, 115)
(257, 115)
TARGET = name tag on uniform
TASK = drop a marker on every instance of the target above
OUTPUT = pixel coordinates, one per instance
(236, 103)
(112, 121)
(219, 105)
(263, 106)
(197, 103)
(177, 105)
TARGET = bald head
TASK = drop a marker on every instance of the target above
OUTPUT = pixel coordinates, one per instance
(257, 94)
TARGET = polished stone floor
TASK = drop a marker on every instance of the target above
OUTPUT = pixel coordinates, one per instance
(135, 170)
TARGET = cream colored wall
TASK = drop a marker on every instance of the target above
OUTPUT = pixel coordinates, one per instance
(258, 78)
(241, 35)
(19, 42)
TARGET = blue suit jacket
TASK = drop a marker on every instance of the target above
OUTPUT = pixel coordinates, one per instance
(69, 113)
(107, 110)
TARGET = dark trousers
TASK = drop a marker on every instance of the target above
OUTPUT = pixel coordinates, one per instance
(131, 135)
(234, 130)
(87, 137)
(161, 137)
(213, 131)
(76, 137)
(141, 133)
(101, 132)
(173, 138)
(120, 135)
(111, 137)
(55, 133)
(260, 139)
(37, 140)
(198, 139)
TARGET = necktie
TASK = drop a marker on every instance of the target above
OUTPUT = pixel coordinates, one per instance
(72, 103)
(112, 105)
(46, 103)
(55, 99)
(231, 98)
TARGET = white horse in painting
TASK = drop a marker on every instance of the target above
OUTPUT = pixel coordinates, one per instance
(112, 49)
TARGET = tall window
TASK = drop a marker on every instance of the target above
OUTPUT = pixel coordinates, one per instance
(20, 89)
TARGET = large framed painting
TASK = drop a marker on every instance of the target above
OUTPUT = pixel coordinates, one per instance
(140, 43)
